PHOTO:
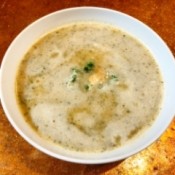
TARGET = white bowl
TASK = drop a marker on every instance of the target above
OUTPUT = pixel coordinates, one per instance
(28, 36)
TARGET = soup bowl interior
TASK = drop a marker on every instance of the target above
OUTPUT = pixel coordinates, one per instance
(28, 36)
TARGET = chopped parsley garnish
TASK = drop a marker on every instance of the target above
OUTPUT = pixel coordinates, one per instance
(113, 77)
(74, 78)
(86, 87)
(75, 70)
(74, 75)
(89, 67)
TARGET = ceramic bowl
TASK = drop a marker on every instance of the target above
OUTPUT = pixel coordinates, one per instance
(134, 27)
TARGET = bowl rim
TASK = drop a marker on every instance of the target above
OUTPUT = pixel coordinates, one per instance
(31, 141)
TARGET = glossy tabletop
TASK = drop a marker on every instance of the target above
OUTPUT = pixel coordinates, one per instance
(17, 157)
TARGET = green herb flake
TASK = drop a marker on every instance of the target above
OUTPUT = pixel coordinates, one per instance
(89, 67)
(113, 77)
(86, 87)
(75, 70)
(74, 78)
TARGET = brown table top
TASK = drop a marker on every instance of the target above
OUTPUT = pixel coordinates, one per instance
(17, 157)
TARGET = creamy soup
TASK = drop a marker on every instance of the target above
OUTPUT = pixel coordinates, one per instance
(89, 87)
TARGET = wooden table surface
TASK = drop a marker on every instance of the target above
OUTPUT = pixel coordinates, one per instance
(17, 157)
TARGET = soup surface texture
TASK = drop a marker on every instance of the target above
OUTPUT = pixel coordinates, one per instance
(89, 87)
